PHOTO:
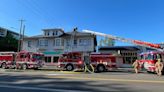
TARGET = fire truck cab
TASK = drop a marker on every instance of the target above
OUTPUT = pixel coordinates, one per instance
(148, 59)
(22, 59)
(101, 62)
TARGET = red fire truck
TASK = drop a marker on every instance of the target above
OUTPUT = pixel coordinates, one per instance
(148, 59)
(21, 60)
(101, 62)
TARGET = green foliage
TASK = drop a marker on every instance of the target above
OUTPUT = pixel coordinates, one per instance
(106, 42)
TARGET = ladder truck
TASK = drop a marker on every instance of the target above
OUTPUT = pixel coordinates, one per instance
(147, 59)
(136, 42)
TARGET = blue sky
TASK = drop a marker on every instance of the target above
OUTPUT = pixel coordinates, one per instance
(134, 19)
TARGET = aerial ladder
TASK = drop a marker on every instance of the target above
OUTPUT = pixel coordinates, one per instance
(136, 42)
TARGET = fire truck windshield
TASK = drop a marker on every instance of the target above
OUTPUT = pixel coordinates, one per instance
(141, 57)
(37, 57)
(149, 57)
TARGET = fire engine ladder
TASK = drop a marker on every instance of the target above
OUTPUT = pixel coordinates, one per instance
(136, 42)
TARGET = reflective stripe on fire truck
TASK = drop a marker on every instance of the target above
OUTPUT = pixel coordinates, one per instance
(69, 63)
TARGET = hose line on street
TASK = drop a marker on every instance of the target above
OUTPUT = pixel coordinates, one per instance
(88, 67)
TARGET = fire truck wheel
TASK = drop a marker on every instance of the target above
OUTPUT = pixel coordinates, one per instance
(69, 67)
(24, 66)
(100, 68)
(3, 66)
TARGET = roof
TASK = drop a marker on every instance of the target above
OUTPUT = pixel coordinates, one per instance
(54, 29)
(41, 36)
(119, 48)
(33, 37)
(9, 30)
(77, 33)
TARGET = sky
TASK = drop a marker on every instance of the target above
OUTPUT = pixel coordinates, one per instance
(132, 19)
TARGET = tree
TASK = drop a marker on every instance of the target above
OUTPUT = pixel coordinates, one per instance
(8, 43)
(106, 42)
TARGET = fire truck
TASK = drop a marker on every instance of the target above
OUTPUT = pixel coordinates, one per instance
(100, 62)
(21, 60)
(148, 59)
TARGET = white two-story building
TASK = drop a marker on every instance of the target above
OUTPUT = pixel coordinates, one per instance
(54, 42)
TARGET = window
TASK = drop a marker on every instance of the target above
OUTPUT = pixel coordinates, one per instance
(48, 34)
(133, 59)
(68, 42)
(29, 43)
(23, 56)
(56, 32)
(53, 33)
(57, 42)
(37, 57)
(75, 42)
(149, 57)
(48, 59)
(43, 42)
(54, 43)
(157, 56)
(38, 43)
(85, 42)
(142, 57)
(55, 59)
(62, 42)
(128, 60)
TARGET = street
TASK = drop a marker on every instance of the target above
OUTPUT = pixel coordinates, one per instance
(57, 81)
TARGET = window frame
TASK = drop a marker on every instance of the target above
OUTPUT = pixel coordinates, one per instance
(29, 43)
(58, 42)
(43, 42)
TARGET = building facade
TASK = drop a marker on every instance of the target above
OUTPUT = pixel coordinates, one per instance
(79, 42)
(55, 42)
(4, 32)
(8, 39)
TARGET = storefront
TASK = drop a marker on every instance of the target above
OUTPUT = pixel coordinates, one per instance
(51, 58)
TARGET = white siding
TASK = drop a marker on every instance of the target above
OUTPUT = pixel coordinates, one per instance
(32, 48)
(79, 46)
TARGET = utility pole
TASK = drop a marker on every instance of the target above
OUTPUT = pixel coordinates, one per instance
(20, 35)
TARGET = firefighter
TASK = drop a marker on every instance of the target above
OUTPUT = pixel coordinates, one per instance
(159, 67)
(136, 66)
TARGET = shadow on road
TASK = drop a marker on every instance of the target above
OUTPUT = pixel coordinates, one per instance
(63, 83)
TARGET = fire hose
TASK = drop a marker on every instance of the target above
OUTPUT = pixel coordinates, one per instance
(88, 68)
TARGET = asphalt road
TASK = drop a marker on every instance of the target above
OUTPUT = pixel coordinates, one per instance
(50, 81)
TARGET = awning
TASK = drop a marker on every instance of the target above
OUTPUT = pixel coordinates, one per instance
(53, 53)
